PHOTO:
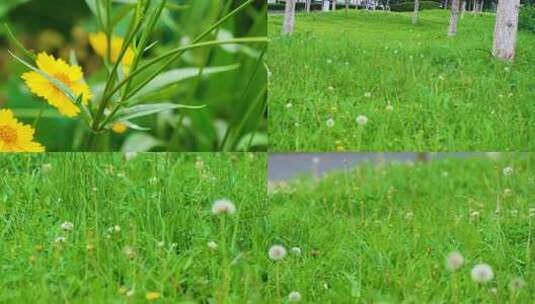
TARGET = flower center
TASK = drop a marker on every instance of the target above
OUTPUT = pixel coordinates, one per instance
(63, 79)
(8, 134)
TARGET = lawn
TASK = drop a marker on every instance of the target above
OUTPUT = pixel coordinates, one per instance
(381, 233)
(420, 90)
(96, 228)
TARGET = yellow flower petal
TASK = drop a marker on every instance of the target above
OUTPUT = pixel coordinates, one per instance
(99, 43)
(151, 296)
(119, 128)
(70, 76)
(15, 136)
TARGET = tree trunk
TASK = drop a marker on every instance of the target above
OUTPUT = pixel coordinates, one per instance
(415, 12)
(347, 5)
(505, 29)
(446, 4)
(289, 17)
(333, 3)
(463, 9)
(454, 18)
(308, 6)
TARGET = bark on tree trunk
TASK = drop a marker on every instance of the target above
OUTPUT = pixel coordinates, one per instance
(454, 18)
(333, 3)
(446, 4)
(308, 6)
(347, 5)
(463, 9)
(289, 17)
(505, 29)
(415, 12)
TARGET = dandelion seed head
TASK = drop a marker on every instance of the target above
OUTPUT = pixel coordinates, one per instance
(60, 240)
(482, 273)
(516, 284)
(277, 252)
(212, 245)
(223, 206)
(362, 120)
(67, 226)
(130, 252)
(330, 123)
(454, 261)
(294, 296)
(507, 171)
(296, 250)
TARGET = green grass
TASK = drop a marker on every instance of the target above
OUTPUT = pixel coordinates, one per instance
(447, 94)
(153, 198)
(381, 234)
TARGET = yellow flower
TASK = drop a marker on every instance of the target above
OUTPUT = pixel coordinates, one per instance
(99, 42)
(70, 75)
(15, 136)
(119, 128)
(151, 296)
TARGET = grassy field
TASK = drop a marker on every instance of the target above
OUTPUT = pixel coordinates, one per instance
(140, 228)
(420, 90)
(381, 234)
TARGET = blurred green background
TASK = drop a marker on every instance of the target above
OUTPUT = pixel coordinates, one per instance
(235, 100)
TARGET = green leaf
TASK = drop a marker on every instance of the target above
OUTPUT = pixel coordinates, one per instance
(134, 126)
(252, 140)
(174, 76)
(13, 40)
(148, 109)
(141, 142)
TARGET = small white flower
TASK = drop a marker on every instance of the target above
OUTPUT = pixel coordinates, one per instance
(95, 189)
(482, 273)
(153, 180)
(223, 206)
(199, 164)
(517, 284)
(368, 94)
(494, 290)
(474, 214)
(507, 171)
(130, 292)
(294, 296)
(454, 261)
(409, 215)
(67, 226)
(289, 105)
(507, 192)
(389, 108)
(514, 212)
(296, 124)
(60, 240)
(330, 123)
(212, 245)
(277, 252)
(46, 168)
(130, 252)
(296, 250)
(160, 244)
(362, 120)
(330, 88)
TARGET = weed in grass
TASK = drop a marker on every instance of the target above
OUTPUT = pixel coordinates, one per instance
(419, 89)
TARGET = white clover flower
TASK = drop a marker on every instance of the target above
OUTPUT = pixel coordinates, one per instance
(330, 88)
(130, 252)
(67, 226)
(507, 171)
(507, 192)
(223, 206)
(296, 250)
(330, 123)
(516, 284)
(277, 252)
(362, 120)
(199, 163)
(60, 240)
(46, 168)
(409, 215)
(289, 105)
(368, 94)
(482, 273)
(294, 296)
(474, 214)
(389, 108)
(212, 245)
(454, 261)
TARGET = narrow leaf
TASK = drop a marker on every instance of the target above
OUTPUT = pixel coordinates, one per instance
(140, 142)
(17, 44)
(148, 109)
